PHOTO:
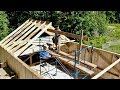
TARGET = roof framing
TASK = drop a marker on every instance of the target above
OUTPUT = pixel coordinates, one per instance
(21, 39)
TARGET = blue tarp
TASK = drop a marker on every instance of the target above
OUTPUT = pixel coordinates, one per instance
(44, 55)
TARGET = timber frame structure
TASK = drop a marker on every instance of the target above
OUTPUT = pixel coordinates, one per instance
(106, 65)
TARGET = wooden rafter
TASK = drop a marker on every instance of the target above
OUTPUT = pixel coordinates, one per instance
(21, 38)
(20, 34)
(106, 69)
(17, 47)
(14, 32)
(40, 33)
(28, 38)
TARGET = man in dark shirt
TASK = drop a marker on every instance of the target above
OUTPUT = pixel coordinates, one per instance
(56, 38)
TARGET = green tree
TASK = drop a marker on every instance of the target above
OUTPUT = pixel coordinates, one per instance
(69, 21)
(111, 16)
(94, 23)
(4, 30)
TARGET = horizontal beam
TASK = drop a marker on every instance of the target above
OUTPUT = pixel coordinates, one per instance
(71, 63)
(82, 61)
(106, 69)
(68, 34)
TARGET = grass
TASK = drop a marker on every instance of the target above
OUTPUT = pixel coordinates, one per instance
(114, 48)
(116, 25)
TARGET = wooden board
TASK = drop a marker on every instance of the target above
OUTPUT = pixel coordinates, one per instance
(15, 34)
(17, 47)
(36, 31)
(28, 38)
(14, 31)
(21, 38)
(40, 33)
(106, 69)
(67, 61)
(82, 61)
(22, 70)
(20, 34)
(106, 59)
(98, 59)
(67, 34)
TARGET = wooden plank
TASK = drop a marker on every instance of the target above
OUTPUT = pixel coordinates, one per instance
(106, 69)
(80, 45)
(36, 31)
(15, 44)
(28, 38)
(17, 47)
(20, 35)
(40, 33)
(26, 34)
(20, 51)
(82, 61)
(31, 59)
(67, 61)
(107, 75)
(14, 32)
(110, 73)
(105, 59)
(19, 67)
(67, 34)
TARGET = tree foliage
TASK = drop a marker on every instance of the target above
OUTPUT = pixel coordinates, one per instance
(110, 16)
(4, 30)
(70, 21)
(93, 23)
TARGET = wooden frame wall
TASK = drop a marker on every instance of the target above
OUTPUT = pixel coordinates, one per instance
(22, 70)
(101, 58)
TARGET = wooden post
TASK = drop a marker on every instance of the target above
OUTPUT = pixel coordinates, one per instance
(80, 44)
(30, 59)
(58, 48)
(31, 54)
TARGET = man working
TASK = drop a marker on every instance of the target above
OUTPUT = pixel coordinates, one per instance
(56, 39)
